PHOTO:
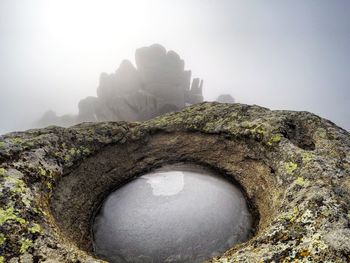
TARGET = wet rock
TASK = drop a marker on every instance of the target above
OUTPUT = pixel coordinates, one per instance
(294, 168)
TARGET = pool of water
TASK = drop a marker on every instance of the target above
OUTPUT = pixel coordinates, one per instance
(178, 213)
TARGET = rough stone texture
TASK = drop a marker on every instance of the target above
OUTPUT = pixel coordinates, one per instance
(293, 166)
(157, 85)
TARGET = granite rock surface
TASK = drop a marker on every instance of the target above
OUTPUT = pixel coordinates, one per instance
(294, 168)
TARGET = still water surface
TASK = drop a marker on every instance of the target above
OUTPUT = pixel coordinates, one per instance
(179, 213)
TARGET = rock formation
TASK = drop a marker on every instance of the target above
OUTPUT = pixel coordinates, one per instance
(293, 166)
(50, 118)
(225, 98)
(159, 84)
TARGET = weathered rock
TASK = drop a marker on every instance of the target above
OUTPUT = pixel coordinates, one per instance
(194, 95)
(158, 85)
(293, 166)
(225, 98)
(87, 109)
(50, 118)
(124, 81)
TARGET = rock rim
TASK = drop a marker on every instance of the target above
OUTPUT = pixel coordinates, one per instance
(294, 168)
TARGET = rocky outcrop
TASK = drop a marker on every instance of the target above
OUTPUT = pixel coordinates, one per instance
(159, 84)
(225, 98)
(294, 168)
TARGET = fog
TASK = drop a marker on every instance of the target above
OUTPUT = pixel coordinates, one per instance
(278, 54)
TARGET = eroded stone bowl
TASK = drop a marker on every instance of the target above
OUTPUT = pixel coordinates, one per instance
(177, 213)
(293, 168)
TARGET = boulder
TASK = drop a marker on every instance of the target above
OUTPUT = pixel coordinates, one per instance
(225, 98)
(124, 81)
(87, 109)
(294, 168)
(49, 118)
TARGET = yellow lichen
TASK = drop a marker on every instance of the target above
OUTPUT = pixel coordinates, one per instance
(16, 140)
(35, 229)
(2, 239)
(6, 215)
(2, 259)
(259, 130)
(25, 244)
(18, 184)
(326, 213)
(72, 151)
(292, 215)
(49, 185)
(247, 124)
(274, 139)
(26, 201)
(306, 157)
(85, 151)
(9, 214)
(290, 167)
(2, 171)
(321, 133)
(42, 171)
(254, 128)
(300, 181)
(29, 143)
(66, 158)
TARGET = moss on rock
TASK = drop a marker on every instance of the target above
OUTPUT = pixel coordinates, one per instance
(301, 185)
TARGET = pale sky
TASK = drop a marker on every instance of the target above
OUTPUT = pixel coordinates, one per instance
(292, 54)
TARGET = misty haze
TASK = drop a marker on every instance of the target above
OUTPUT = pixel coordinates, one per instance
(290, 55)
(174, 131)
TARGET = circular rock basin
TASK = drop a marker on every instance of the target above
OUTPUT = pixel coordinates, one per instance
(178, 213)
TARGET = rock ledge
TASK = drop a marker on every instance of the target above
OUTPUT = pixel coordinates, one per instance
(293, 166)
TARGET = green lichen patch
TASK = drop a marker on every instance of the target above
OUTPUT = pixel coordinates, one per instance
(302, 155)
(290, 167)
(274, 139)
(307, 157)
(10, 214)
(15, 185)
(25, 244)
(300, 181)
(42, 171)
(35, 228)
(16, 140)
(2, 239)
(2, 144)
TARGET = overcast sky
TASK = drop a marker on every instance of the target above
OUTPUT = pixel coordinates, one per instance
(279, 54)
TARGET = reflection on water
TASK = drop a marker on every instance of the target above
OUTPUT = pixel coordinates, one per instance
(177, 213)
